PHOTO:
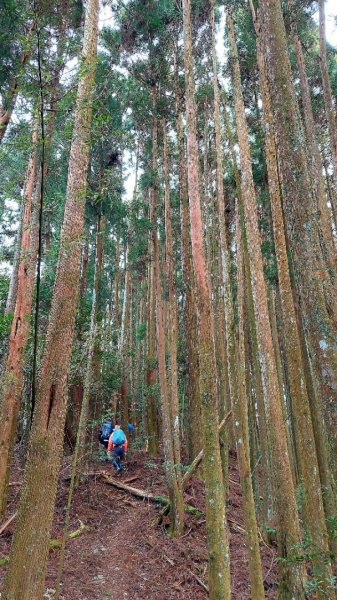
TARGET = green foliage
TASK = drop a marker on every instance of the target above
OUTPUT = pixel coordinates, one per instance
(140, 332)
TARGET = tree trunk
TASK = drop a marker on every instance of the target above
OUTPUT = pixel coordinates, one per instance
(172, 474)
(190, 309)
(315, 162)
(78, 463)
(29, 552)
(84, 268)
(151, 369)
(288, 530)
(315, 285)
(240, 414)
(6, 112)
(13, 286)
(12, 381)
(303, 428)
(173, 319)
(328, 101)
(224, 244)
(125, 344)
(217, 534)
(117, 279)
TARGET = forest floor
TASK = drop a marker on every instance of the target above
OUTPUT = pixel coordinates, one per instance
(126, 552)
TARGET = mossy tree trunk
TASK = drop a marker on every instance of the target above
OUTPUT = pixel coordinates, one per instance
(217, 534)
(315, 284)
(173, 476)
(303, 428)
(288, 531)
(240, 414)
(12, 379)
(25, 576)
(173, 316)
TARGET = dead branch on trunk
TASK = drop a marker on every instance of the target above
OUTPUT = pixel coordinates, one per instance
(198, 459)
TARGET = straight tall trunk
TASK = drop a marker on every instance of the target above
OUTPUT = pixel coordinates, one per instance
(192, 364)
(288, 531)
(12, 94)
(254, 352)
(84, 267)
(97, 352)
(316, 291)
(125, 345)
(217, 534)
(224, 244)
(79, 453)
(13, 285)
(303, 427)
(240, 415)
(12, 380)
(117, 280)
(151, 368)
(25, 576)
(330, 109)
(173, 317)
(315, 163)
(172, 475)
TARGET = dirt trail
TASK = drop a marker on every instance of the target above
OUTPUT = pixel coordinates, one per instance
(127, 554)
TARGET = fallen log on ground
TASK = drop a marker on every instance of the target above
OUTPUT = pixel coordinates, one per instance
(148, 496)
(8, 522)
(198, 459)
(54, 543)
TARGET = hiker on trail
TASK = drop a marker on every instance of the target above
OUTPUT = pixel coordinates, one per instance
(131, 430)
(105, 432)
(118, 446)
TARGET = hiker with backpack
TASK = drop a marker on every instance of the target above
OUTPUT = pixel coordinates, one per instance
(117, 447)
(131, 430)
(106, 430)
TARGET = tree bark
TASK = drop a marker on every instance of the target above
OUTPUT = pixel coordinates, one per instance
(303, 428)
(240, 414)
(172, 473)
(217, 534)
(327, 92)
(14, 282)
(6, 112)
(315, 163)
(190, 309)
(12, 381)
(288, 530)
(173, 318)
(29, 552)
(315, 285)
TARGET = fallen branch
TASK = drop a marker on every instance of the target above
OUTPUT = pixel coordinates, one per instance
(203, 585)
(54, 543)
(93, 474)
(236, 526)
(147, 496)
(8, 522)
(70, 536)
(198, 459)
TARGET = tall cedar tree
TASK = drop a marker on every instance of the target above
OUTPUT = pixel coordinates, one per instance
(217, 534)
(29, 552)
